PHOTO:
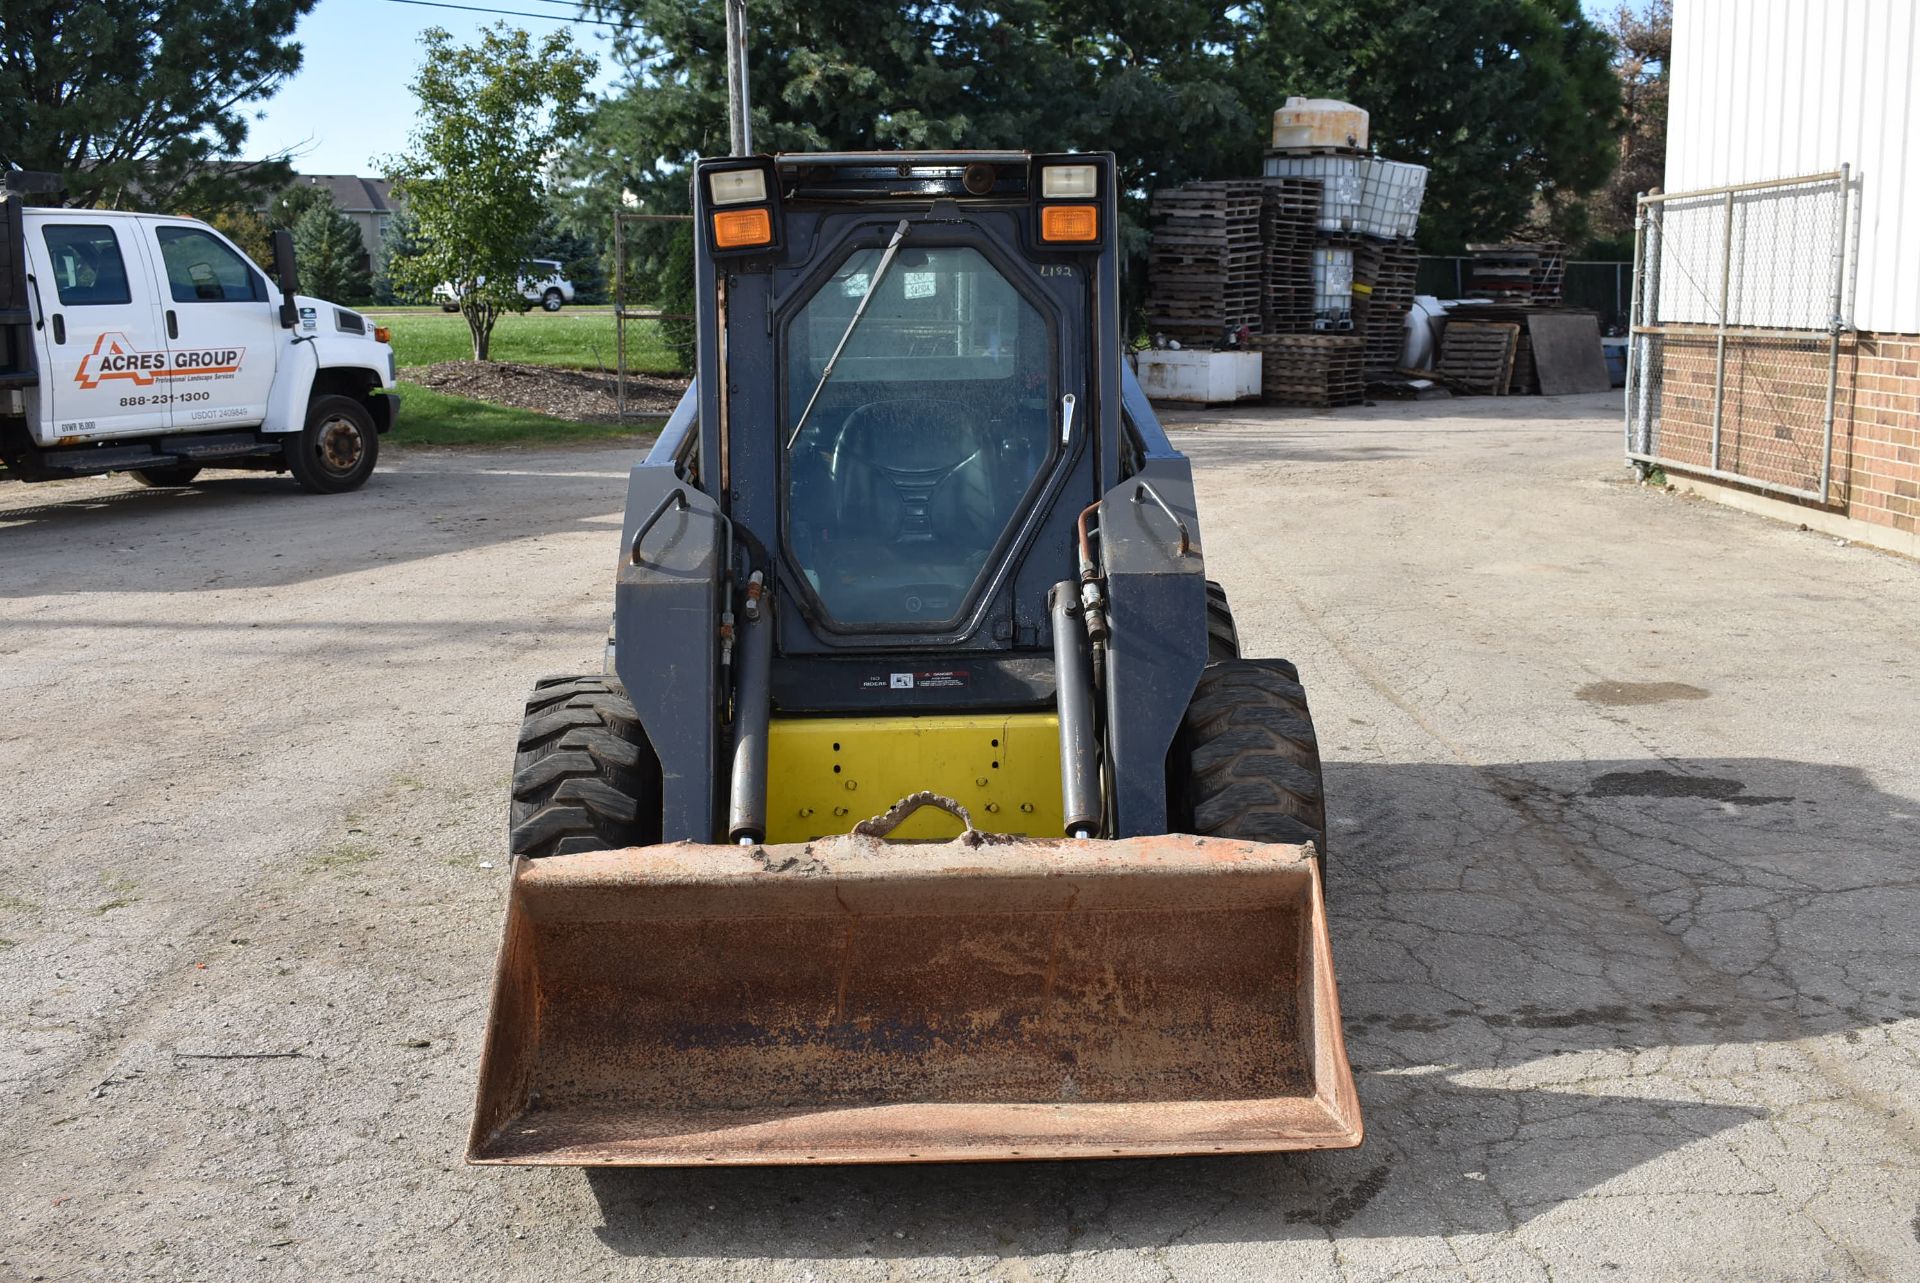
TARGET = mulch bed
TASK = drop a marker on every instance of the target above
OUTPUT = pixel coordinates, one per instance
(584, 396)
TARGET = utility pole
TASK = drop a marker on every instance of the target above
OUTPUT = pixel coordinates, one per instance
(739, 122)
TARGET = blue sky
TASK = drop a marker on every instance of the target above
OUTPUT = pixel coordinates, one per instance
(349, 106)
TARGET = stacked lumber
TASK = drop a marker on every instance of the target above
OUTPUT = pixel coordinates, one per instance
(1383, 277)
(1518, 272)
(1477, 356)
(1205, 270)
(1289, 210)
(1312, 369)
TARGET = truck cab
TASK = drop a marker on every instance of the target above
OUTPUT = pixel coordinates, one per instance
(150, 344)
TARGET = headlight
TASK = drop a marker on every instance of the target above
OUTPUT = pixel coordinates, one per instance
(1069, 182)
(737, 186)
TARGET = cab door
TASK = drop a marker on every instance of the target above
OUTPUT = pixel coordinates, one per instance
(102, 348)
(223, 333)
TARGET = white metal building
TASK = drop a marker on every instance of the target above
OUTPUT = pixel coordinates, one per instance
(1779, 323)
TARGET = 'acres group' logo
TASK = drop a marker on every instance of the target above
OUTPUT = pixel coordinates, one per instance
(113, 357)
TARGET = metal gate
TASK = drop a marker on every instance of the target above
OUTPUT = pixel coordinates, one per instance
(630, 228)
(1741, 310)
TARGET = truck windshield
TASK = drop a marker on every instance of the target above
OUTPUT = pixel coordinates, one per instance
(921, 448)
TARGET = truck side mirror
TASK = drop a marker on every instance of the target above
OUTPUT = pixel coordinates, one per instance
(285, 277)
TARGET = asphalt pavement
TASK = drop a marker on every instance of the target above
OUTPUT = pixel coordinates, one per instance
(1624, 882)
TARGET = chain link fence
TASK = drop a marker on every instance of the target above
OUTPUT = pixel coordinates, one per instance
(1739, 317)
(645, 248)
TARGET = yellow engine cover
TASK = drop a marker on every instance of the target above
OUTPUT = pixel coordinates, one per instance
(826, 774)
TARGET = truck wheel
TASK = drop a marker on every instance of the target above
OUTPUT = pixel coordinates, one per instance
(449, 307)
(336, 450)
(1247, 764)
(179, 474)
(585, 778)
(551, 300)
(1223, 637)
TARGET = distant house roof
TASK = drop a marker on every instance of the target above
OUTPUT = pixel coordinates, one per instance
(350, 193)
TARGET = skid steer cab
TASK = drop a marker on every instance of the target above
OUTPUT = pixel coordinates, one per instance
(925, 810)
(151, 345)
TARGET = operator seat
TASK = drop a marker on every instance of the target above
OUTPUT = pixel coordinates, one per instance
(916, 471)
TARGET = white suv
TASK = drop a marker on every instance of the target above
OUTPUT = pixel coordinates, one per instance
(541, 282)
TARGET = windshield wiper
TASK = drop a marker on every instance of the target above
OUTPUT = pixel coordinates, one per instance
(873, 284)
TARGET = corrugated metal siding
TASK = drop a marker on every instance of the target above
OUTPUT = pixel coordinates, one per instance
(1775, 88)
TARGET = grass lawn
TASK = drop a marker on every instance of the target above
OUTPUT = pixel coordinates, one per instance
(580, 339)
(429, 418)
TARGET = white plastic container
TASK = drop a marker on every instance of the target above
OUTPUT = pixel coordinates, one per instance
(1390, 196)
(1203, 378)
(1342, 179)
(1332, 287)
(1320, 122)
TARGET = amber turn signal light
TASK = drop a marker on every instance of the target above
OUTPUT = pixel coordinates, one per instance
(381, 334)
(740, 228)
(1079, 223)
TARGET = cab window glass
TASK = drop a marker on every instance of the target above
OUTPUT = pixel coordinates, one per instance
(925, 438)
(87, 267)
(201, 269)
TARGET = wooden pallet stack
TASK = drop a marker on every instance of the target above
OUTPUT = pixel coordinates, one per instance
(1205, 269)
(1312, 369)
(1518, 272)
(1383, 277)
(1289, 209)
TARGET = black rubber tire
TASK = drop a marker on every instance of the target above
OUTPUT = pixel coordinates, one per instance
(1251, 760)
(337, 449)
(584, 778)
(1223, 638)
(552, 300)
(449, 307)
(180, 474)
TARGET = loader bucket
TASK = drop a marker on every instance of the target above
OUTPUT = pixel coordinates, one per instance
(857, 1001)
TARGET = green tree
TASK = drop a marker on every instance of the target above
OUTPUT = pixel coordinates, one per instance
(1512, 104)
(1644, 39)
(331, 256)
(245, 228)
(581, 253)
(289, 203)
(398, 241)
(676, 295)
(1155, 84)
(474, 179)
(137, 102)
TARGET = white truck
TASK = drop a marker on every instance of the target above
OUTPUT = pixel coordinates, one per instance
(149, 344)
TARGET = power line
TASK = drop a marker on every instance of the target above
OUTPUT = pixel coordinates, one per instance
(510, 13)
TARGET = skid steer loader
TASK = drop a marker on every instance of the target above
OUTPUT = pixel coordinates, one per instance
(925, 811)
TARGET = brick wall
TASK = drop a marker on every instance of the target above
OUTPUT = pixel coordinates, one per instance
(1772, 418)
(1879, 433)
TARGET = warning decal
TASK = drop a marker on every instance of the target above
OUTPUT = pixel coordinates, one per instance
(920, 679)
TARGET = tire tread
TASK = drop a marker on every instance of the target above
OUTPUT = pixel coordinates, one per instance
(584, 777)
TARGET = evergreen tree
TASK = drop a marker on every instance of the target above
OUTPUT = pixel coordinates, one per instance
(581, 254)
(399, 241)
(331, 256)
(1510, 102)
(136, 102)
